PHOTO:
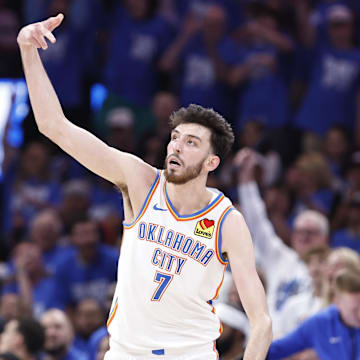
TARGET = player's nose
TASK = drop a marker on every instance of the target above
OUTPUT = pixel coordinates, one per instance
(178, 147)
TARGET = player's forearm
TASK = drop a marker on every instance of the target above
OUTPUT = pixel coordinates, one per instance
(260, 339)
(44, 101)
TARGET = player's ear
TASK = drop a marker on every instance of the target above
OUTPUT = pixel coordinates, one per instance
(212, 162)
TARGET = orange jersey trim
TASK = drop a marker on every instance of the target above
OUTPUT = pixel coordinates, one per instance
(112, 315)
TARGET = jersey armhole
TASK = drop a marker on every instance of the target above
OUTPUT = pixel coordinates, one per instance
(219, 254)
(146, 202)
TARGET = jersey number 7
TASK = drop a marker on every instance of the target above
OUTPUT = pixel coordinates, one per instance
(164, 281)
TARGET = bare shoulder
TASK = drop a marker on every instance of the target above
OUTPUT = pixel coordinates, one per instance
(235, 232)
(234, 221)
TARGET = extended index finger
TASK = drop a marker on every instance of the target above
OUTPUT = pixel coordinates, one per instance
(53, 22)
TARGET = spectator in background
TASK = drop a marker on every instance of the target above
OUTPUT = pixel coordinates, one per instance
(232, 341)
(333, 333)
(338, 259)
(199, 52)
(352, 175)
(349, 234)
(138, 38)
(279, 202)
(333, 95)
(302, 306)
(10, 308)
(234, 10)
(96, 340)
(310, 180)
(75, 202)
(89, 270)
(256, 70)
(336, 150)
(45, 230)
(285, 272)
(59, 335)
(318, 16)
(152, 147)
(68, 58)
(33, 188)
(23, 338)
(10, 62)
(31, 281)
(89, 316)
(121, 122)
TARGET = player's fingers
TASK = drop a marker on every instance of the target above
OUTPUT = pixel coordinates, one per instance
(35, 42)
(53, 22)
(39, 36)
(50, 36)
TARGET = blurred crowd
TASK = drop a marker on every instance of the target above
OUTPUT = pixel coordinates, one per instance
(284, 73)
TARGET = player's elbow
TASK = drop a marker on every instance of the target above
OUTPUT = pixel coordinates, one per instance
(267, 324)
(262, 325)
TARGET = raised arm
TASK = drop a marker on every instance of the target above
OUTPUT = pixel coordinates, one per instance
(269, 247)
(122, 169)
(237, 245)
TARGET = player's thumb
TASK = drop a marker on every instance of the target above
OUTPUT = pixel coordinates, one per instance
(53, 22)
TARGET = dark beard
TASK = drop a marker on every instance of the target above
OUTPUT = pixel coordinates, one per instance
(190, 173)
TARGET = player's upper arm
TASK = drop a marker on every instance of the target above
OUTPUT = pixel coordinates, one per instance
(238, 246)
(120, 168)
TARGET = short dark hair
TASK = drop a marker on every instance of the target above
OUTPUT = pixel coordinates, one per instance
(222, 136)
(33, 334)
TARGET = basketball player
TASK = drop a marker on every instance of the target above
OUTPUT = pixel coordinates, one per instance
(179, 235)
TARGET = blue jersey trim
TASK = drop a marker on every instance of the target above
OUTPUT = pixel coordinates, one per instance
(145, 202)
(158, 352)
(220, 236)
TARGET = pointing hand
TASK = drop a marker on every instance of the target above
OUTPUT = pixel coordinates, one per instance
(36, 34)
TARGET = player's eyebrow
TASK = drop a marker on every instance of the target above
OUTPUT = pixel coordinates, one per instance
(188, 135)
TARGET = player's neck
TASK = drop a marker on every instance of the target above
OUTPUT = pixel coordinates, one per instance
(190, 197)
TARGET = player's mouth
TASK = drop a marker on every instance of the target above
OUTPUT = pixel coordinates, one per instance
(174, 162)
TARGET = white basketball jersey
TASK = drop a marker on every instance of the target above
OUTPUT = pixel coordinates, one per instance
(170, 269)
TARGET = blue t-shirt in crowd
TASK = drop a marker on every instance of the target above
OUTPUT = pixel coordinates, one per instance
(330, 99)
(81, 345)
(55, 256)
(234, 10)
(94, 341)
(65, 63)
(344, 237)
(256, 100)
(135, 48)
(42, 294)
(199, 83)
(105, 200)
(325, 333)
(39, 192)
(76, 281)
